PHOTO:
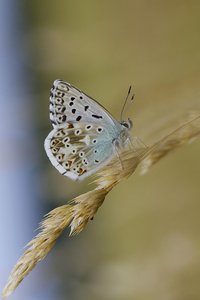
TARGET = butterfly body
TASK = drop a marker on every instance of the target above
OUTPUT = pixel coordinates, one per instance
(85, 135)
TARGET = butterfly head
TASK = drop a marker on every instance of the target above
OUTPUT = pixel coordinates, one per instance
(127, 124)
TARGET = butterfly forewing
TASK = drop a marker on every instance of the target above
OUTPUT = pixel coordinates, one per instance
(67, 103)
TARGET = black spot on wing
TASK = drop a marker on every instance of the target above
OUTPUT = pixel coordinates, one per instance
(78, 118)
(99, 129)
(63, 109)
(64, 118)
(59, 93)
(97, 117)
(61, 118)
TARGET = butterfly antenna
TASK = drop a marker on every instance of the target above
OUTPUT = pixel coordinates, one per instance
(125, 102)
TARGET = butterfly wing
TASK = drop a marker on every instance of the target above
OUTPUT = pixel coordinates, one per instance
(68, 103)
(77, 150)
(82, 139)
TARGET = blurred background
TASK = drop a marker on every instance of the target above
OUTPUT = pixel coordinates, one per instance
(144, 242)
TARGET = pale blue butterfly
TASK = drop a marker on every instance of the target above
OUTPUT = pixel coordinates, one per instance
(85, 135)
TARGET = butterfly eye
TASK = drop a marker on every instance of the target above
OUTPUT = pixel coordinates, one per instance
(128, 124)
(125, 125)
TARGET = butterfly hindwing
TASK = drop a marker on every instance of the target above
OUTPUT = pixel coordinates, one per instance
(78, 149)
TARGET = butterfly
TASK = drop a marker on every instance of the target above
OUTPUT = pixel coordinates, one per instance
(85, 136)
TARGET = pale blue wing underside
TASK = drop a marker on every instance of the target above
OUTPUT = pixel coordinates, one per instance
(67, 103)
(84, 135)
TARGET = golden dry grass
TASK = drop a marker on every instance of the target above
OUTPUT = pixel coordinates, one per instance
(81, 209)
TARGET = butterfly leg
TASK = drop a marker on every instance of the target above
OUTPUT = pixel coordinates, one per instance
(115, 148)
(136, 143)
